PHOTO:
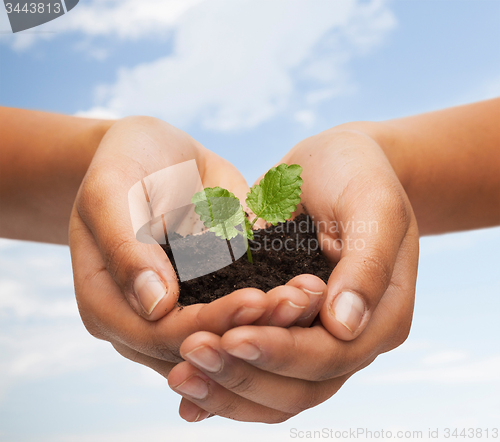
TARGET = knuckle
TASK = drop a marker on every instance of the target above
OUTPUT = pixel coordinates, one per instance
(393, 205)
(161, 348)
(226, 409)
(308, 398)
(162, 352)
(118, 256)
(241, 384)
(375, 263)
(93, 328)
(90, 321)
(323, 371)
(279, 365)
(390, 194)
(400, 336)
(328, 368)
(128, 353)
(281, 361)
(91, 193)
(279, 418)
(402, 326)
(402, 211)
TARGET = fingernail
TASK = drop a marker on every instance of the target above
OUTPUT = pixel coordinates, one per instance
(194, 386)
(202, 415)
(285, 313)
(150, 289)
(245, 351)
(205, 357)
(314, 299)
(348, 309)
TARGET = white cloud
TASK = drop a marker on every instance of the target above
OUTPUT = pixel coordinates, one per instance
(38, 352)
(443, 372)
(7, 243)
(457, 241)
(235, 65)
(212, 430)
(305, 117)
(16, 299)
(444, 357)
(47, 293)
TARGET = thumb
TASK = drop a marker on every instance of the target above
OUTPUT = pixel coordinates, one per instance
(141, 270)
(364, 271)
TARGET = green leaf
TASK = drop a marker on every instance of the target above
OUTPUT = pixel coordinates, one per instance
(276, 197)
(219, 210)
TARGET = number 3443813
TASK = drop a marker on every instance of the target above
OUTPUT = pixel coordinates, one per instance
(33, 8)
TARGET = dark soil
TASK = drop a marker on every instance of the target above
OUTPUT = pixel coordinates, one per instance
(273, 264)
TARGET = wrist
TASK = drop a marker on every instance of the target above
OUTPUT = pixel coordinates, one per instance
(88, 140)
(38, 187)
(386, 138)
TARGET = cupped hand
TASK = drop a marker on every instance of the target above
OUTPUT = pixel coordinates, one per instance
(102, 221)
(367, 228)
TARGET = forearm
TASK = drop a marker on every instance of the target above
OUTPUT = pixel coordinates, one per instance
(448, 162)
(43, 159)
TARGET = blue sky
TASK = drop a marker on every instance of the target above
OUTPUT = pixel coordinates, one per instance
(249, 80)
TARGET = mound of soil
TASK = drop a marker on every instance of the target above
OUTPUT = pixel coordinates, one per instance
(279, 253)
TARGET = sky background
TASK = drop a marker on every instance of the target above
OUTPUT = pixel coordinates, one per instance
(249, 79)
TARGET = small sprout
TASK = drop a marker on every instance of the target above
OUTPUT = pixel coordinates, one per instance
(274, 200)
(220, 211)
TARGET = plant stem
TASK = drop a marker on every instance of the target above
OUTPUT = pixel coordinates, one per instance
(254, 221)
(230, 249)
(249, 254)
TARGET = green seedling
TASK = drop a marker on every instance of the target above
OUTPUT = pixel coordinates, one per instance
(274, 200)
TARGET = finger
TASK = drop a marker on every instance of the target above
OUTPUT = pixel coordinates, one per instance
(285, 394)
(241, 307)
(315, 289)
(161, 367)
(282, 306)
(190, 412)
(305, 353)
(286, 304)
(198, 388)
